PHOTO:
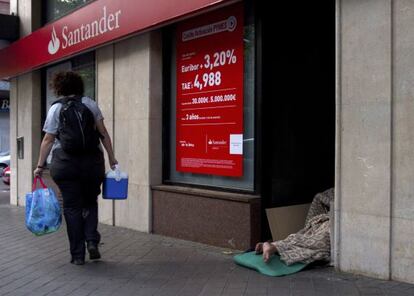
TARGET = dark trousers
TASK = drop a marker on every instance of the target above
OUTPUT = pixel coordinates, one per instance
(81, 225)
(79, 178)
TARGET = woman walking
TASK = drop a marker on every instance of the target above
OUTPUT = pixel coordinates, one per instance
(73, 129)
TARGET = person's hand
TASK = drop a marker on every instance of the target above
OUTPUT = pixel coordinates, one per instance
(113, 162)
(38, 172)
(259, 248)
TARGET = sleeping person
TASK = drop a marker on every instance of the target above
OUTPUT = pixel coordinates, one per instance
(312, 243)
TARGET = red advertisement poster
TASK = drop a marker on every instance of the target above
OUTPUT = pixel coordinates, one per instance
(209, 115)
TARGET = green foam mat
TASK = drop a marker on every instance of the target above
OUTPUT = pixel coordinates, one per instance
(275, 267)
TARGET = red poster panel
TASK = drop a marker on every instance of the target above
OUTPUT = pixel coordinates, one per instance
(209, 122)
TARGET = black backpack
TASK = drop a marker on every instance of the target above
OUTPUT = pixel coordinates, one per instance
(77, 131)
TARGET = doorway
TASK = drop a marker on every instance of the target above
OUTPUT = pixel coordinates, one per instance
(297, 103)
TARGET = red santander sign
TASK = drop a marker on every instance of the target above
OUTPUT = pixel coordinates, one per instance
(95, 24)
(82, 33)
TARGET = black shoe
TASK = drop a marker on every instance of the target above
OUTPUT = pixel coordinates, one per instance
(93, 251)
(78, 261)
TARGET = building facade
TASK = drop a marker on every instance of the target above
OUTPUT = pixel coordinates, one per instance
(219, 110)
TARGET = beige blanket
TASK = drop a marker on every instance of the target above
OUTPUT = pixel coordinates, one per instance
(313, 241)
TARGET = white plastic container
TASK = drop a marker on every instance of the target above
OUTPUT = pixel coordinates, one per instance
(115, 185)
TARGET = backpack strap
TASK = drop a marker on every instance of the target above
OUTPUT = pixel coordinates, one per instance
(65, 100)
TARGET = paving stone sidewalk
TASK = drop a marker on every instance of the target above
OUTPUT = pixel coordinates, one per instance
(136, 263)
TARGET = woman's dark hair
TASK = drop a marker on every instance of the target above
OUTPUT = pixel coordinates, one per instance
(67, 83)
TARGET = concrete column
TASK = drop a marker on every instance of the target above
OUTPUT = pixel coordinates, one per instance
(29, 12)
(14, 6)
(105, 99)
(13, 135)
(137, 130)
(25, 109)
(366, 129)
(24, 122)
(403, 143)
(155, 115)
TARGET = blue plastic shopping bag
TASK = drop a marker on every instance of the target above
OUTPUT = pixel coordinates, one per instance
(43, 213)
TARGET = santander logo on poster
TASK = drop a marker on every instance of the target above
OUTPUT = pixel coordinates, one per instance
(68, 37)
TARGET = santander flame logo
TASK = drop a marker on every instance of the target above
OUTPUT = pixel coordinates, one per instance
(54, 43)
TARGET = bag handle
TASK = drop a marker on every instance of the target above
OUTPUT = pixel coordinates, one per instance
(35, 183)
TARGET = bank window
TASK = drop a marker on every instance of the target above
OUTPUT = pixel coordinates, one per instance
(210, 103)
(83, 64)
(54, 9)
